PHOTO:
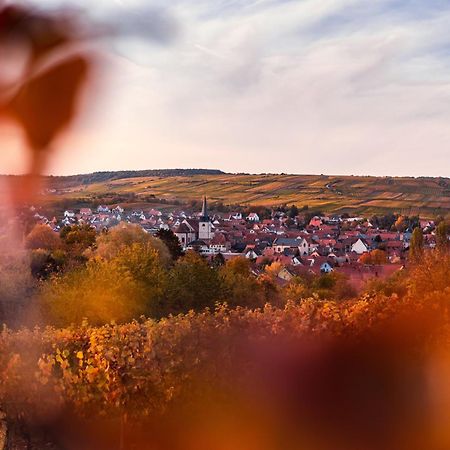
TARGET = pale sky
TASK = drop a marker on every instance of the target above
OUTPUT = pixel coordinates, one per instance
(306, 86)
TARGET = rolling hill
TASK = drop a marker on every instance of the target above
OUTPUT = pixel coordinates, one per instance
(360, 194)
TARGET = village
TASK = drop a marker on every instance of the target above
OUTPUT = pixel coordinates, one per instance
(353, 246)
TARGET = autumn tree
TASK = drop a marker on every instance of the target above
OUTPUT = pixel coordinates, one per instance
(442, 243)
(42, 237)
(296, 290)
(400, 223)
(101, 292)
(416, 245)
(375, 257)
(118, 238)
(273, 269)
(78, 238)
(430, 273)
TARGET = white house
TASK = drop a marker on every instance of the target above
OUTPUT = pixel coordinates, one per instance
(69, 213)
(253, 217)
(251, 254)
(360, 247)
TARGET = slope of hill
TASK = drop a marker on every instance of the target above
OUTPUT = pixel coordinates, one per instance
(427, 196)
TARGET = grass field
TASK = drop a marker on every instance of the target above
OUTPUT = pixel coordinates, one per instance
(363, 195)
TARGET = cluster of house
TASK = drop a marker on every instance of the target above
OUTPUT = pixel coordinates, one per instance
(323, 245)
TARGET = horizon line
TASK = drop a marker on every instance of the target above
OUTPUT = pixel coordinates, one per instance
(226, 173)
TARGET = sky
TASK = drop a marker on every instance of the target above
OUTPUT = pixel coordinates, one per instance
(295, 86)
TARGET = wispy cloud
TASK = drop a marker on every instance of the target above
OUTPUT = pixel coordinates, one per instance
(324, 86)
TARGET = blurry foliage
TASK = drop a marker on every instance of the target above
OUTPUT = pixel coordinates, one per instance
(100, 292)
(42, 237)
(317, 362)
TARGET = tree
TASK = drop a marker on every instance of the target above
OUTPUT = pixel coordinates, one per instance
(375, 257)
(192, 285)
(43, 264)
(240, 286)
(273, 269)
(416, 245)
(442, 243)
(78, 237)
(430, 274)
(42, 237)
(143, 263)
(16, 283)
(296, 290)
(101, 292)
(172, 242)
(293, 212)
(218, 260)
(118, 238)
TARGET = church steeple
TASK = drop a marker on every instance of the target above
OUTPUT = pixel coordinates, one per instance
(204, 217)
(205, 227)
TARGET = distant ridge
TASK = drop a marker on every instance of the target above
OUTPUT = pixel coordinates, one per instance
(427, 196)
(100, 177)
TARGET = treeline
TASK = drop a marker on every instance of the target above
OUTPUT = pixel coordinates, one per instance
(100, 177)
(123, 273)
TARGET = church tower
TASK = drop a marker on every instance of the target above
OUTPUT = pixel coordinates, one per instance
(205, 227)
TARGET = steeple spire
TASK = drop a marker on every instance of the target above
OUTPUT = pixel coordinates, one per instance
(204, 215)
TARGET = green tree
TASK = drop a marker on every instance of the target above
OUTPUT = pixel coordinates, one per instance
(240, 287)
(192, 285)
(416, 245)
(293, 212)
(172, 242)
(143, 263)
